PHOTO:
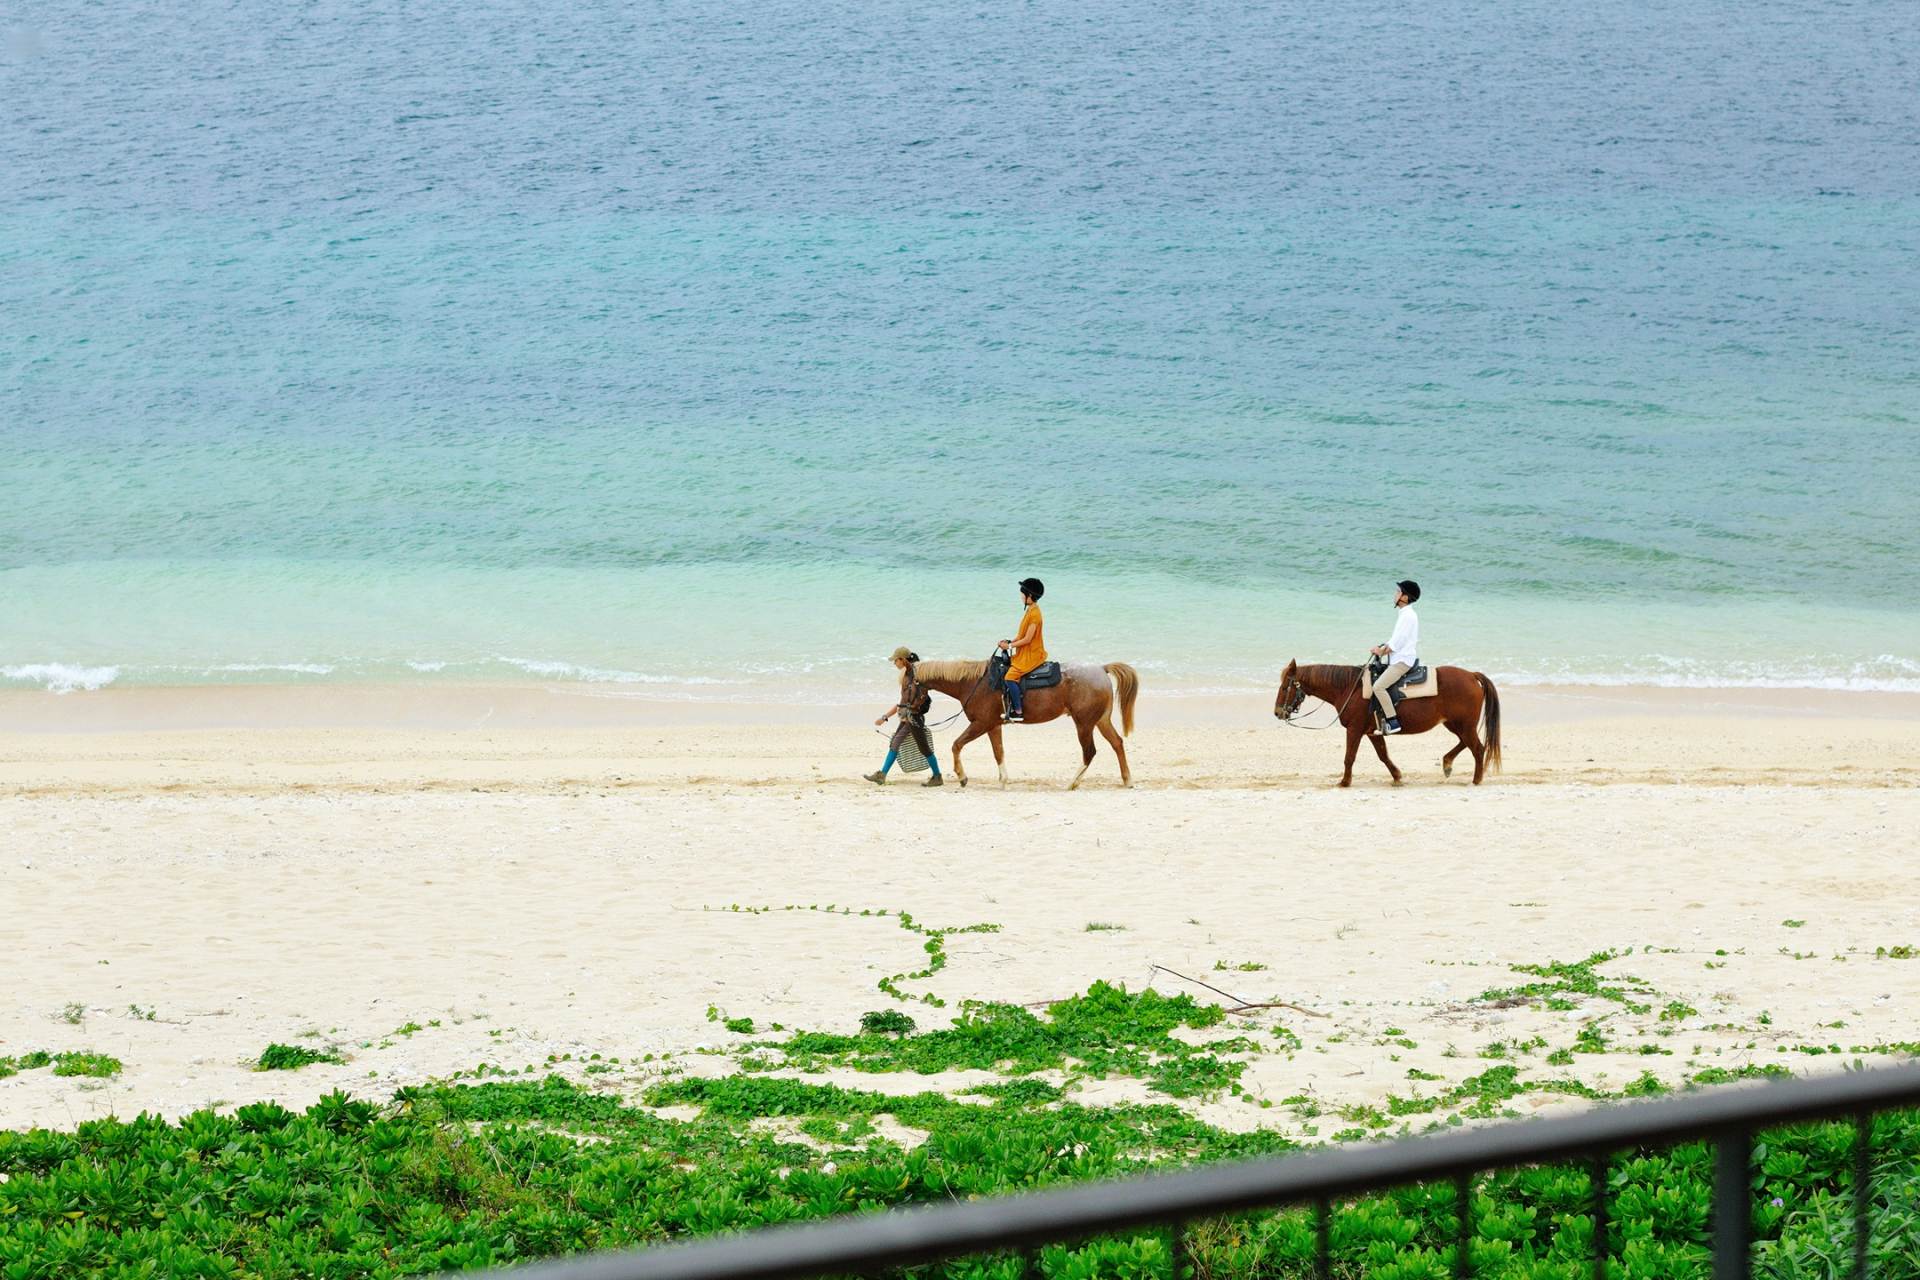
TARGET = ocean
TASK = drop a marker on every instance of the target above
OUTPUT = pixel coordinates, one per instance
(715, 352)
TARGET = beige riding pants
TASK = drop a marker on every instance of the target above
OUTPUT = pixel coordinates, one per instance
(1385, 683)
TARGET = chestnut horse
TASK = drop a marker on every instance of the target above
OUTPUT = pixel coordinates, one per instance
(1085, 692)
(1462, 696)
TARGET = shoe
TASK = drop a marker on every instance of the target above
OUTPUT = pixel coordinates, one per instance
(1391, 726)
(1015, 717)
(875, 776)
(935, 781)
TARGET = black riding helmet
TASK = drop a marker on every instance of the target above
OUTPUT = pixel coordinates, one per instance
(1033, 587)
(1410, 589)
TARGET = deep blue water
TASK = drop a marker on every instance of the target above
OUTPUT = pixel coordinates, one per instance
(671, 340)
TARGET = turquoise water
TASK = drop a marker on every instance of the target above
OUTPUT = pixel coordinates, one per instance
(717, 355)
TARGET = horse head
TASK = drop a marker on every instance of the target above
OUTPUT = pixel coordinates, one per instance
(1292, 692)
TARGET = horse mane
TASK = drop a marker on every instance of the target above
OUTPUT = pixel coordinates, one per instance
(1328, 674)
(949, 669)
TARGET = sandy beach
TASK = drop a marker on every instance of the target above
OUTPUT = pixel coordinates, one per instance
(520, 873)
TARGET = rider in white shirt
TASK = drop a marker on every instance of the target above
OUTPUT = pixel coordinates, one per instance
(1401, 652)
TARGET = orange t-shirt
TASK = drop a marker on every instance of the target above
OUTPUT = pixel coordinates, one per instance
(1034, 652)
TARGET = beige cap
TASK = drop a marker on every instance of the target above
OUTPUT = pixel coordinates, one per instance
(902, 654)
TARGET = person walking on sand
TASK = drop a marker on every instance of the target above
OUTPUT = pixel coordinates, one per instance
(911, 744)
(1401, 652)
(1028, 646)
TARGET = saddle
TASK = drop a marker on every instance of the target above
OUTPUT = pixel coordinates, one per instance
(1044, 676)
(1421, 681)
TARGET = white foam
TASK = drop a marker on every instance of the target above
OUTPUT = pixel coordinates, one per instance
(427, 667)
(601, 675)
(61, 677)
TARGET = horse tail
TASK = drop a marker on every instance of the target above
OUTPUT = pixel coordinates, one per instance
(1128, 682)
(1493, 719)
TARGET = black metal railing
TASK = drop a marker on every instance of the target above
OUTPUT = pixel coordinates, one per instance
(1728, 1117)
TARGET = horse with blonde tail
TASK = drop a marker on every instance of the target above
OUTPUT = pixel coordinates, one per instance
(1462, 697)
(1086, 692)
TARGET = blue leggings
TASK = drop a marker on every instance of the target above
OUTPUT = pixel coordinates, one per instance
(1015, 698)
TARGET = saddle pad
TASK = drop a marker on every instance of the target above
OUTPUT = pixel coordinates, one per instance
(1406, 688)
(1044, 676)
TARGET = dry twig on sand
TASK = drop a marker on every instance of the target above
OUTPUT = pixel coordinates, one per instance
(1240, 1005)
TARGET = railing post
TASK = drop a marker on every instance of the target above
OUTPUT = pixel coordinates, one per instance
(1732, 1206)
(1862, 1190)
(1182, 1260)
(1463, 1226)
(1597, 1173)
(1322, 1239)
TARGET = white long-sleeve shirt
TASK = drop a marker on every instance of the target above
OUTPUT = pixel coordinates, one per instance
(1405, 645)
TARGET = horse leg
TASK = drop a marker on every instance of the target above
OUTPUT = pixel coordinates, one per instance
(1473, 744)
(1085, 731)
(973, 730)
(999, 751)
(1112, 735)
(1354, 734)
(1380, 749)
(1446, 761)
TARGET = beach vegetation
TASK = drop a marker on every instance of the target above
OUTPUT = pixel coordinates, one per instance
(1561, 982)
(934, 942)
(453, 1178)
(886, 1022)
(82, 1062)
(1108, 1031)
(291, 1057)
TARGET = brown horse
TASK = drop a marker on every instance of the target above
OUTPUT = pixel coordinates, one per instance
(1085, 692)
(1462, 696)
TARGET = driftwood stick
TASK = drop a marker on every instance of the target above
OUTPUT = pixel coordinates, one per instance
(1160, 968)
(1240, 1005)
(1278, 1004)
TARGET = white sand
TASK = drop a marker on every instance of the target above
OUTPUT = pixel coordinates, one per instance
(545, 883)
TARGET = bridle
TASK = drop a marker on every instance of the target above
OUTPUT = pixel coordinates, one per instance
(1294, 693)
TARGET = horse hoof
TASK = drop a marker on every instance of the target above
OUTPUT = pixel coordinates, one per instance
(1398, 780)
(963, 783)
(1446, 769)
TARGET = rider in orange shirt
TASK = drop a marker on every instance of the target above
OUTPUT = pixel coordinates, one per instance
(1028, 645)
